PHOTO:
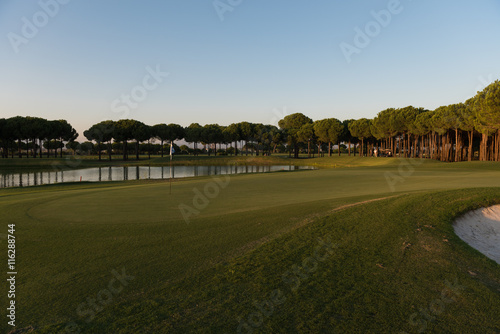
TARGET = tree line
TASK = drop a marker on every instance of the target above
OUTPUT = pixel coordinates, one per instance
(265, 137)
(457, 132)
(33, 133)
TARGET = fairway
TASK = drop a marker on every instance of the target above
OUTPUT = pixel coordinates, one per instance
(242, 235)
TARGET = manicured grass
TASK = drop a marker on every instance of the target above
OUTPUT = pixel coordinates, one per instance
(395, 266)
(202, 275)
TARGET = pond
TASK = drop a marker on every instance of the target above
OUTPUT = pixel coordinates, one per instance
(101, 174)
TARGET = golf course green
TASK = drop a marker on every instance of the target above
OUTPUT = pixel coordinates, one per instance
(367, 247)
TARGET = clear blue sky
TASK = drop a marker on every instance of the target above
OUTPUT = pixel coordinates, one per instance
(265, 59)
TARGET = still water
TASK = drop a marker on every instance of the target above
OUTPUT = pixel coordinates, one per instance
(131, 173)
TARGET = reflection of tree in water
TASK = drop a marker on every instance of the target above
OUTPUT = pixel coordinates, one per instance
(100, 174)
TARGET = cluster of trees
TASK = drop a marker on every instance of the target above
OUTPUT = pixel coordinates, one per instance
(258, 138)
(296, 131)
(90, 148)
(455, 132)
(32, 133)
(264, 137)
(299, 129)
(126, 130)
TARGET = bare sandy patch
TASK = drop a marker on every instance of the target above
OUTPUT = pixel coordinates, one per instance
(481, 230)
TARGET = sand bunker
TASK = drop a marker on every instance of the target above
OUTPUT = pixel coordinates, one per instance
(481, 230)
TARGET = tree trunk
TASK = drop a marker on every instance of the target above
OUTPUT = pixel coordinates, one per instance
(339, 148)
(497, 145)
(124, 150)
(432, 144)
(393, 147)
(444, 142)
(482, 148)
(408, 146)
(445, 147)
(330, 149)
(421, 147)
(149, 149)
(490, 148)
(415, 146)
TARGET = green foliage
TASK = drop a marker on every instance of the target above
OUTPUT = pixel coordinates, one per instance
(292, 124)
(402, 119)
(422, 124)
(100, 132)
(193, 133)
(380, 127)
(360, 128)
(306, 133)
(486, 107)
(328, 130)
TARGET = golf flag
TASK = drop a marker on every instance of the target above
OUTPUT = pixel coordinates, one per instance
(171, 169)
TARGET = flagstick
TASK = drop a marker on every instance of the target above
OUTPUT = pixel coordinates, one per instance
(171, 168)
